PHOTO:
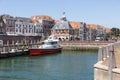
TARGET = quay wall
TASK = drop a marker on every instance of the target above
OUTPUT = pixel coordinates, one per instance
(83, 45)
(101, 73)
(107, 68)
(66, 45)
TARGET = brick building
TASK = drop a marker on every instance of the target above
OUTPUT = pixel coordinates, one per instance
(46, 21)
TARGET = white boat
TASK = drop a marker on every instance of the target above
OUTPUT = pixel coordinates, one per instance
(48, 46)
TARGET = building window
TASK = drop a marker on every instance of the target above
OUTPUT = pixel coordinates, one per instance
(26, 30)
(20, 29)
(32, 31)
(16, 30)
(23, 31)
(29, 30)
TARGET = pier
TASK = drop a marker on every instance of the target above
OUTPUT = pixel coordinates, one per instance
(108, 65)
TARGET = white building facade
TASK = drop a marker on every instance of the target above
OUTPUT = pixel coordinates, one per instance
(27, 28)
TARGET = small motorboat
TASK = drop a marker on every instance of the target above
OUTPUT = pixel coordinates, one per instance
(48, 46)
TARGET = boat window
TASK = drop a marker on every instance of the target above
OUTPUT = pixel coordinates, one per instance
(53, 42)
(42, 43)
(49, 43)
(46, 43)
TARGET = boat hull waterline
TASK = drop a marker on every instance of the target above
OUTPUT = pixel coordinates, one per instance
(37, 51)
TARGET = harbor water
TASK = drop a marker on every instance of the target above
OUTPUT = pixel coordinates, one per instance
(67, 65)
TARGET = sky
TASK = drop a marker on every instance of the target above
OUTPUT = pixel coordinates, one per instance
(102, 12)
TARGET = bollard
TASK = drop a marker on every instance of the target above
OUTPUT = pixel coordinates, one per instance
(17, 45)
(3, 49)
(111, 63)
(13, 44)
(8, 47)
(100, 52)
(104, 53)
(107, 50)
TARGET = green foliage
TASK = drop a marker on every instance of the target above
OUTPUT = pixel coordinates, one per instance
(115, 32)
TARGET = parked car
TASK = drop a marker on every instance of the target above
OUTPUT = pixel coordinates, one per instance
(98, 39)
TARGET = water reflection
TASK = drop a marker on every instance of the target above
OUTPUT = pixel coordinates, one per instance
(69, 65)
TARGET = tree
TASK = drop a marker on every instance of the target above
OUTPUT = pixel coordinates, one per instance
(115, 32)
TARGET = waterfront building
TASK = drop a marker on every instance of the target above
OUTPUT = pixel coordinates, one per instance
(7, 23)
(101, 32)
(82, 31)
(2, 26)
(95, 31)
(76, 27)
(92, 31)
(88, 32)
(42, 25)
(24, 26)
(38, 29)
(10, 25)
(46, 21)
(63, 30)
(108, 30)
(55, 21)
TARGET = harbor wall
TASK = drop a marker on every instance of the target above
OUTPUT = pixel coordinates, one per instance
(69, 45)
(107, 67)
(101, 73)
(83, 45)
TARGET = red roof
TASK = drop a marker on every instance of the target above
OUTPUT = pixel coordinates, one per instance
(75, 24)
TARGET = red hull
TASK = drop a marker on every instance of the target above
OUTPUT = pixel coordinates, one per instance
(34, 52)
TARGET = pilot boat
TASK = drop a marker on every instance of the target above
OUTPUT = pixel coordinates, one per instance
(48, 46)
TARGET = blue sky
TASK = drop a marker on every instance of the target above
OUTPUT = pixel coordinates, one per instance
(102, 12)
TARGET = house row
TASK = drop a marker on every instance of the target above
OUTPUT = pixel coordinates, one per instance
(68, 30)
(42, 25)
(34, 26)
